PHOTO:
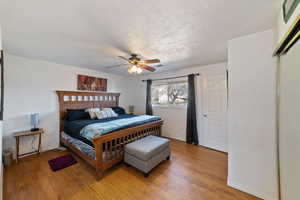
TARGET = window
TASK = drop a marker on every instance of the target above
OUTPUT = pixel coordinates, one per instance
(174, 93)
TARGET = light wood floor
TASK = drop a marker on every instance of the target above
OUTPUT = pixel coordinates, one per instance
(192, 173)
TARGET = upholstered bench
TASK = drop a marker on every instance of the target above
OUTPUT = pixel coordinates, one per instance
(146, 153)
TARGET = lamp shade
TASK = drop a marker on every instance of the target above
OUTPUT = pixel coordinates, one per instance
(35, 119)
(131, 109)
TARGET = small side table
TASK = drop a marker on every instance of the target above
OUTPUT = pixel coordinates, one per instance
(20, 134)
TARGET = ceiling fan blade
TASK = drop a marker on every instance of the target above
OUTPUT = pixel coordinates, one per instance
(124, 58)
(114, 66)
(151, 61)
(146, 67)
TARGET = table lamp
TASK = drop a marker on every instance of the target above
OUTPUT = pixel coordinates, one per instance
(35, 119)
(131, 109)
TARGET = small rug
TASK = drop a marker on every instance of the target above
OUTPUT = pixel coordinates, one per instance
(62, 162)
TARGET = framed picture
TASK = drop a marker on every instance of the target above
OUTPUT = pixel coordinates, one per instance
(289, 7)
(90, 83)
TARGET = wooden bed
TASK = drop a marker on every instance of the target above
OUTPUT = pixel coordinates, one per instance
(109, 148)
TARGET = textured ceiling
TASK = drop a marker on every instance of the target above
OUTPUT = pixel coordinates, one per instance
(92, 33)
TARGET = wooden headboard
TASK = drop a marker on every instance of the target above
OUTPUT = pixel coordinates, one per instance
(82, 100)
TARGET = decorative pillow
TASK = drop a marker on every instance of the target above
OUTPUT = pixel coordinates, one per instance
(92, 112)
(119, 110)
(76, 114)
(101, 114)
(110, 112)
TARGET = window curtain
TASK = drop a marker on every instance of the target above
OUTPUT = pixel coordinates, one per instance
(191, 121)
(148, 98)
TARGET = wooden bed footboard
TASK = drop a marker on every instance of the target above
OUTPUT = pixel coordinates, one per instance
(110, 148)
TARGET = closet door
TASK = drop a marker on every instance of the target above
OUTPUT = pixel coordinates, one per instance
(289, 123)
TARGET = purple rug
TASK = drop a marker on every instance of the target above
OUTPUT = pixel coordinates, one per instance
(62, 162)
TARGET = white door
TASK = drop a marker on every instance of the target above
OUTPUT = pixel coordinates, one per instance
(214, 112)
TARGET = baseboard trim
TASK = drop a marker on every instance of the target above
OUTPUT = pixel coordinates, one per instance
(179, 140)
(249, 190)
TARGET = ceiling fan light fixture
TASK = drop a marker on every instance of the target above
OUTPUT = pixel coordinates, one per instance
(138, 65)
(129, 70)
(139, 70)
(134, 68)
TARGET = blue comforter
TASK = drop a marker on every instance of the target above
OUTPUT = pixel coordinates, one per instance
(86, 130)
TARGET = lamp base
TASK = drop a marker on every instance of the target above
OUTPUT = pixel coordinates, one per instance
(34, 129)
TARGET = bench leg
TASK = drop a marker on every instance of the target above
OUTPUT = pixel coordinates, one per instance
(146, 174)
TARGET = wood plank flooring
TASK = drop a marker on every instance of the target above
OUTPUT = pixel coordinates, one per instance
(192, 173)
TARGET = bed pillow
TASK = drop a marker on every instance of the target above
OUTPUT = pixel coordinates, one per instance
(119, 110)
(92, 112)
(108, 112)
(76, 114)
(101, 115)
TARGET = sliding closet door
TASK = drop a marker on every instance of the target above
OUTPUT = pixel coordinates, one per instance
(289, 124)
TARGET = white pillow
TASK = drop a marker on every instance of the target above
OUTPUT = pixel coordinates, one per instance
(101, 114)
(92, 112)
(105, 114)
(110, 112)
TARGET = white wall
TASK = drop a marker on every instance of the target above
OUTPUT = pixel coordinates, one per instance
(251, 115)
(30, 87)
(175, 118)
(289, 126)
(282, 26)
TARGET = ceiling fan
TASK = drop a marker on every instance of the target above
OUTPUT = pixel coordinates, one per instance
(138, 65)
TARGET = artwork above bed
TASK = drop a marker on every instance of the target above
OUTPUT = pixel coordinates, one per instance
(89, 83)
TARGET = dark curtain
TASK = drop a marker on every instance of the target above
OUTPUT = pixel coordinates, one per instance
(191, 120)
(148, 98)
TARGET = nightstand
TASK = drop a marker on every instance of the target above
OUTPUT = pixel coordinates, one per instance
(20, 134)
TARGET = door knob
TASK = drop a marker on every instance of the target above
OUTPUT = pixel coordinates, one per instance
(204, 115)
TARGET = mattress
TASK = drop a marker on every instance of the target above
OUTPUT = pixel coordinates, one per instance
(85, 130)
(81, 146)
